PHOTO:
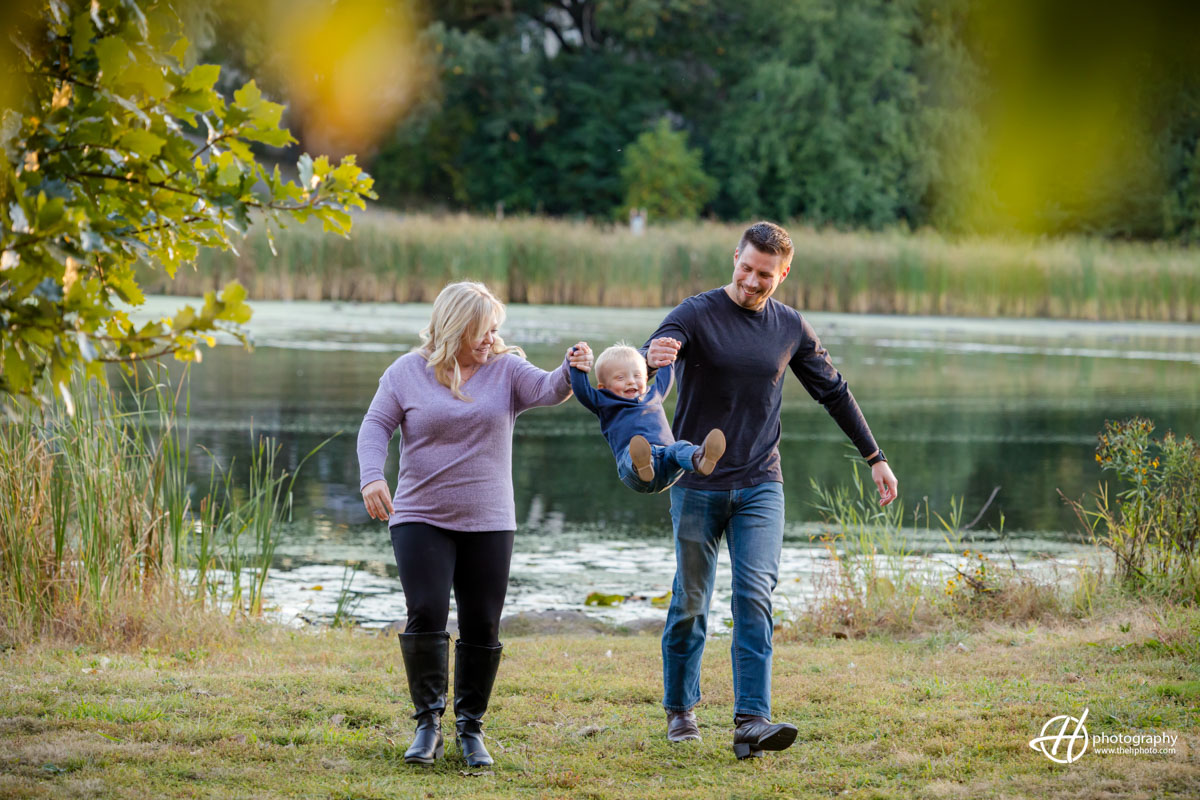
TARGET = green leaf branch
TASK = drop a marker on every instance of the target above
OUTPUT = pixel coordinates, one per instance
(119, 155)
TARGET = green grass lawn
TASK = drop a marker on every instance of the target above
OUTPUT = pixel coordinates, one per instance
(266, 712)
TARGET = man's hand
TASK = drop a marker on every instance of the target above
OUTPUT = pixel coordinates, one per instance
(580, 356)
(662, 351)
(378, 500)
(881, 473)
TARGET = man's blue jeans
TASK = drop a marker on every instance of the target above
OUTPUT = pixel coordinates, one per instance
(669, 461)
(752, 521)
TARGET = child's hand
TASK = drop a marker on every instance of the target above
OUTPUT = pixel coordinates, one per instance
(662, 351)
(580, 356)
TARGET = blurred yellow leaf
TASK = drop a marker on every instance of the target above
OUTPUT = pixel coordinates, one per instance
(351, 68)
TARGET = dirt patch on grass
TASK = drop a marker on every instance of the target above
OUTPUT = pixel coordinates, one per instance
(68, 746)
(18, 725)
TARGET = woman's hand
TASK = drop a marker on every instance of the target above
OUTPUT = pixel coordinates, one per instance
(662, 351)
(580, 356)
(378, 500)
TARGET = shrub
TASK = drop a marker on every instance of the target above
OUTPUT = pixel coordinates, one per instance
(1152, 525)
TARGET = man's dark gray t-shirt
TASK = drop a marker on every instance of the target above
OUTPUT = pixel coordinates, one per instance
(730, 373)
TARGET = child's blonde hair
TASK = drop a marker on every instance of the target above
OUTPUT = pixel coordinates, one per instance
(463, 312)
(620, 353)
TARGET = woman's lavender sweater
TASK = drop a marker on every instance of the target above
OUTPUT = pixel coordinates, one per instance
(455, 456)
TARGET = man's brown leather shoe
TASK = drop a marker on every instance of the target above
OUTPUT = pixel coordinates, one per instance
(682, 727)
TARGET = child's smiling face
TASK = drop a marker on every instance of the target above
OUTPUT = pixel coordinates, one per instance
(624, 380)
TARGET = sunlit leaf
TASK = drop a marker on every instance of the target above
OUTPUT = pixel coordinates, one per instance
(16, 371)
(201, 77)
(149, 78)
(601, 599)
(184, 318)
(143, 143)
(113, 55)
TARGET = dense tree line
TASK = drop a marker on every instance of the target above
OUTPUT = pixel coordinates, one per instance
(957, 114)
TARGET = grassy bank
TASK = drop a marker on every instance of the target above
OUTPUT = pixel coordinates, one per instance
(409, 258)
(266, 712)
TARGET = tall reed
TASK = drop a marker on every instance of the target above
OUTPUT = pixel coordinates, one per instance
(408, 258)
(97, 521)
(878, 581)
(79, 533)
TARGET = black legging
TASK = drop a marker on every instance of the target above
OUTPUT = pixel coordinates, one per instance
(432, 559)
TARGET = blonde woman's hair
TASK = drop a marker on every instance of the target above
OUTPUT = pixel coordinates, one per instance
(462, 312)
(619, 353)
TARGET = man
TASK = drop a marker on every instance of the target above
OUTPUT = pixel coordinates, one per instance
(733, 345)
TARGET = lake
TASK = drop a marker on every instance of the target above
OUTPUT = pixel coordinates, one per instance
(961, 406)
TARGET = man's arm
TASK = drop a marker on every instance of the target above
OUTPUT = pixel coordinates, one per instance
(813, 366)
(669, 341)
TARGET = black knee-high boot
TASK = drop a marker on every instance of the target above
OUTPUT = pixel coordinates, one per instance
(426, 663)
(475, 669)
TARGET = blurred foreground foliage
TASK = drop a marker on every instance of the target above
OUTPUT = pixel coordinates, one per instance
(117, 153)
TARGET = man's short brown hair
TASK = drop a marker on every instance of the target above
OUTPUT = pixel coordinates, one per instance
(767, 237)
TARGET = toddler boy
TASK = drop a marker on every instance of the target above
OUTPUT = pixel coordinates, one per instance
(632, 419)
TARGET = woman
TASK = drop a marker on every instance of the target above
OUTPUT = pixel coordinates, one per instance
(452, 519)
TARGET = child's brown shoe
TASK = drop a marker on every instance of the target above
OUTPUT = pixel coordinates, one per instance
(710, 452)
(643, 461)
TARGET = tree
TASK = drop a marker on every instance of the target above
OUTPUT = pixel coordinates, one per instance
(510, 123)
(117, 154)
(664, 176)
(825, 127)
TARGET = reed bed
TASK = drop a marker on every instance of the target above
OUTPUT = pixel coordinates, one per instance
(99, 535)
(408, 258)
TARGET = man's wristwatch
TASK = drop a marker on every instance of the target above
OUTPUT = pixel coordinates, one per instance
(875, 459)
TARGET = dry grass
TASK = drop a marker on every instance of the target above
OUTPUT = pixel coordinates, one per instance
(268, 712)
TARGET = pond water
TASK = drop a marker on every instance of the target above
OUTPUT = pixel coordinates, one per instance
(962, 406)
